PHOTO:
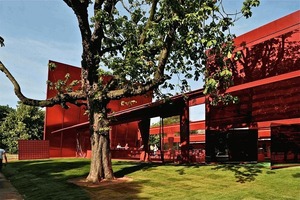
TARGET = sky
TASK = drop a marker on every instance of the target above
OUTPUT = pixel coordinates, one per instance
(36, 31)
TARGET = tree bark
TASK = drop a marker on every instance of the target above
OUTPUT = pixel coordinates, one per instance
(101, 165)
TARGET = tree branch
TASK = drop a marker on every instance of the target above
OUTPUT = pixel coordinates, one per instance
(134, 90)
(98, 33)
(81, 12)
(62, 99)
(150, 20)
(89, 69)
(124, 6)
(159, 77)
(1, 42)
(109, 49)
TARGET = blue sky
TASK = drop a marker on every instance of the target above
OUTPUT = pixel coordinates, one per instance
(36, 31)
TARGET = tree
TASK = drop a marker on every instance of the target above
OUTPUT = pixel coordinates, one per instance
(167, 121)
(154, 139)
(142, 44)
(4, 111)
(26, 122)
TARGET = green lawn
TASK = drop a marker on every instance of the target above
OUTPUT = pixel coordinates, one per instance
(48, 179)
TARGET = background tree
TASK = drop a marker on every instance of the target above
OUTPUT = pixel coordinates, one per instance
(167, 121)
(143, 43)
(4, 111)
(154, 139)
(25, 123)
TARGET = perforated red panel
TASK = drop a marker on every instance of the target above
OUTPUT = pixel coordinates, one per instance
(33, 149)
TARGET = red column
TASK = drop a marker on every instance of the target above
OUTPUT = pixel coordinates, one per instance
(185, 133)
(144, 126)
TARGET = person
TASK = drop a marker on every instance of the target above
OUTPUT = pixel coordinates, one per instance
(2, 156)
(119, 146)
(126, 146)
(155, 149)
(141, 147)
(151, 148)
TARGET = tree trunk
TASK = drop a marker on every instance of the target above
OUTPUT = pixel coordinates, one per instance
(101, 166)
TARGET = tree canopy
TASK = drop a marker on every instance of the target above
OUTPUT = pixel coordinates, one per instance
(25, 123)
(4, 111)
(167, 121)
(145, 43)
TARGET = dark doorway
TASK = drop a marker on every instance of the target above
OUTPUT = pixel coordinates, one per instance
(231, 146)
(285, 145)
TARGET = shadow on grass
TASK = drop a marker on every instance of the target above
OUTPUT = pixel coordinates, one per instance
(181, 171)
(32, 177)
(121, 191)
(131, 169)
(297, 175)
(242, 172)
(48, 168)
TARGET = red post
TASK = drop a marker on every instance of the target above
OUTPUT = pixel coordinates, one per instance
(144, 126)
(185, 133)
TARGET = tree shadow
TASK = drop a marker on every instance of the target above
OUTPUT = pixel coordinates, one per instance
(297, 175)
(242, 172)
(123, 190)
(36, 172)
(120, 191)
(131, 169)
(48, 168)
(269, 58)
(180, 171)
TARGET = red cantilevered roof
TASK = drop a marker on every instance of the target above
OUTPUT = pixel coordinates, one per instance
(164, 108)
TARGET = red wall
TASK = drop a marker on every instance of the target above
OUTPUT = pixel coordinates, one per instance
(66, 143)
(126, 132)
(267, 78)
(62, 143)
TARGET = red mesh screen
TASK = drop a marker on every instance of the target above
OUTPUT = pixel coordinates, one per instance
(33, 149)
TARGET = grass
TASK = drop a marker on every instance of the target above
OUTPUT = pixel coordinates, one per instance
(48, 179)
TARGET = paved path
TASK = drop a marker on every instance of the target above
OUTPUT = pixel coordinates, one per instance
(7, 191)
